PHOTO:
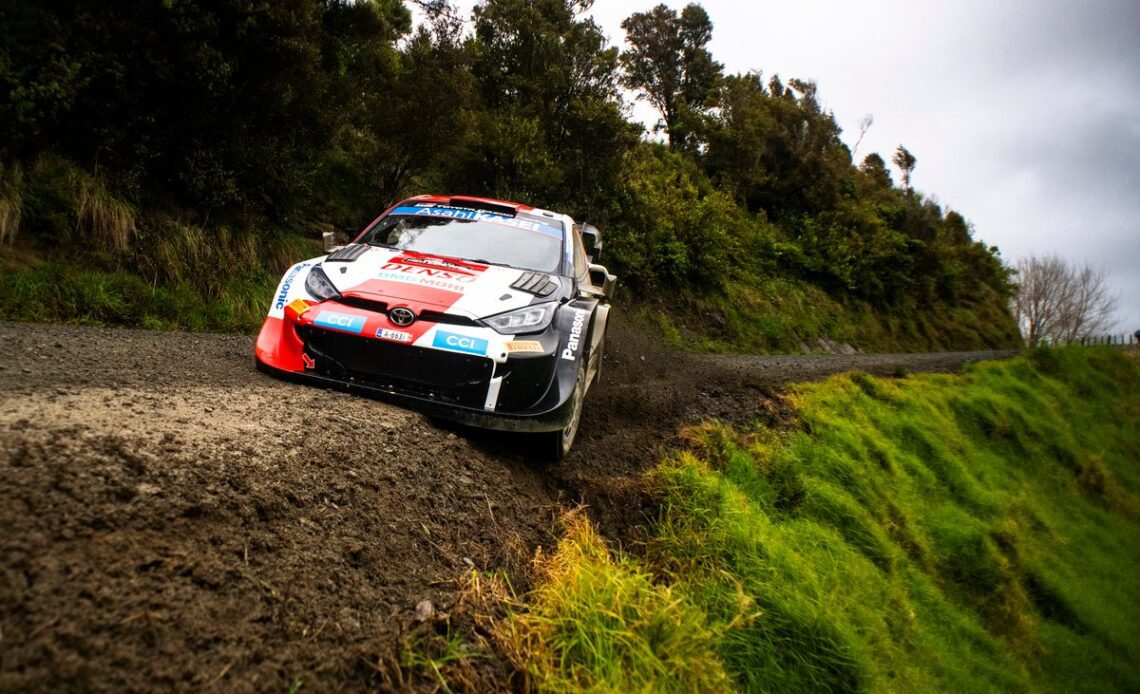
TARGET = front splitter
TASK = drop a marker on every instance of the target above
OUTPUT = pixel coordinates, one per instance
(552, 420)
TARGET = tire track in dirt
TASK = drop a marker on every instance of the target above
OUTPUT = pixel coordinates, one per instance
(169, 517)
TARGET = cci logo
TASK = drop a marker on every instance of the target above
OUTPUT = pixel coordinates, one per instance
(459, 343)
(340, 321)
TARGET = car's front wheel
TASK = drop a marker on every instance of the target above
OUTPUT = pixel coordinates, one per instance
(558, 443)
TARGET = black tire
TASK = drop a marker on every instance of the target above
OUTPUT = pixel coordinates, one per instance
(558, 443)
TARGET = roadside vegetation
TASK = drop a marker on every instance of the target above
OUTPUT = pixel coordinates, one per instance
(970, 532)
(200, 147)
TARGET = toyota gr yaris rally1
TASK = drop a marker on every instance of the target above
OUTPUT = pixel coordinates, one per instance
(482, 311)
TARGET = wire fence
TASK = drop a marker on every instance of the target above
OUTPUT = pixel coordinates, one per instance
(1123, 340)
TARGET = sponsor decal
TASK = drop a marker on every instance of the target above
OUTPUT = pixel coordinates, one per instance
(440, 263)
(299, 306)
(575, 340)
(340, 321)
(394, 335)
(431, 272)
(524, 346)
(459, 343)
(465, 213)
(422, 281)
(281, 295)
(309, 362)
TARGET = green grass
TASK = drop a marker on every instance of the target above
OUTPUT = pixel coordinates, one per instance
(60, 292)
(772, 314)
(600, 621)
(976, 532)
(84, 255)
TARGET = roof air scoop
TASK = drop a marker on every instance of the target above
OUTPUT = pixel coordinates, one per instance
(477, 204)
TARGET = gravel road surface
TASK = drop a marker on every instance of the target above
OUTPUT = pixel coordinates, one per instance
(170, 517)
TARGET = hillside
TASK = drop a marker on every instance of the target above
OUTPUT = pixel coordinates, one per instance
(973, 532)
(160, 165)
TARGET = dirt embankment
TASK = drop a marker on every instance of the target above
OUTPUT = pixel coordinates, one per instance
(170, 517)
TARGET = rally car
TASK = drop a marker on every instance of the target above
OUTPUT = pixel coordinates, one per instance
(482, 311)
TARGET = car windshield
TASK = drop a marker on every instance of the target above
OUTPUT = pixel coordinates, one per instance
(523, 241)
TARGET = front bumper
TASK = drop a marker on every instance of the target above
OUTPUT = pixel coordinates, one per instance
(552, 420)
(526, 392)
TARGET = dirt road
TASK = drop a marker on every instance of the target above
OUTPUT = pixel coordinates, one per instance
(169, 517)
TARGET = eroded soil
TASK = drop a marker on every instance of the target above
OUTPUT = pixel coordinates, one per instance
(170, 517)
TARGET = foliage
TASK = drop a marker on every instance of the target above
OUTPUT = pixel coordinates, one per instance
(11, 201)
(60, 292)
(549, 128)
(599, 622)
(669, 63)
(214, 105)
(948, 533)
(906, 163)
(266, 122)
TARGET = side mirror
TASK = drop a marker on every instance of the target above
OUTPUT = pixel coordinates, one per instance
(601, 278)
(333, 240)
(593, 241)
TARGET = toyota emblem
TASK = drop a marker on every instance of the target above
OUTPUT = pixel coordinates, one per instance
(402, 317)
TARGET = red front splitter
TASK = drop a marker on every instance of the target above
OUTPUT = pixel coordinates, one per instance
(278, 345)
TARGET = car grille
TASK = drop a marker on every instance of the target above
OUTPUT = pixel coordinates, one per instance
(382, 307)
(450, 377)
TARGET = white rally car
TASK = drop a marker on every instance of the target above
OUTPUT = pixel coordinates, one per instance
(482, 311)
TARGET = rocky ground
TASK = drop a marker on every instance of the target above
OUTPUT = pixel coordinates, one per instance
(170, 517)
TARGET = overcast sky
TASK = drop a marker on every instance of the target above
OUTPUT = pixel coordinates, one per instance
(1024, 116)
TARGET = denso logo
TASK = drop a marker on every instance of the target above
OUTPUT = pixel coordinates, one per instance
(575, 334)
(436, 262)
(429, 272)
(459, 343)
(284, 293)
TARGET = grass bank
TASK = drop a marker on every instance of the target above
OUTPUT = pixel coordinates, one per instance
(61, 292)
(968, 532)
(73, 251)
(759, 315)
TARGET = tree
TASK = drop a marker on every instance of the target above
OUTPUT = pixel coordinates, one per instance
(1061, 302)
(875, 169)
(864, 126)
(906, 162)
(550, 127)
(777, 149)
(668, 62)
(219, 105)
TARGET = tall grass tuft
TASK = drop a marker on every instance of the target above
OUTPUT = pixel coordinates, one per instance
(11, 203)
(106, 218)
(597, 621)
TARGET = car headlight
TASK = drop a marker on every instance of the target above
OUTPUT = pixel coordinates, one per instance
(319, 286)
(530, 319)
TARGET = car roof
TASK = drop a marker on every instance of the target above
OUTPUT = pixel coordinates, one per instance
(461, 199)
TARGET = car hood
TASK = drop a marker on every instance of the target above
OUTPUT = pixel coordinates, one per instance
(423, 281)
